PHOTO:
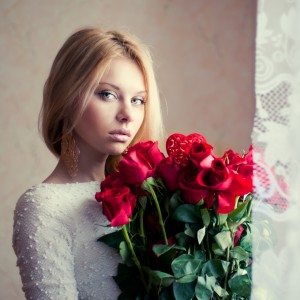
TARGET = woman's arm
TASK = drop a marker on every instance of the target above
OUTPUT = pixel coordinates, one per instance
(42, 241)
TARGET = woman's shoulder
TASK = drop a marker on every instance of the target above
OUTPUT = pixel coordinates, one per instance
(40, 210)
(41, 196)
(37, 193)
(43, 203)
(53, 193)
(34, 200)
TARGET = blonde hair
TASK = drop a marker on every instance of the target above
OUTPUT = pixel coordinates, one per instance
(74, 75)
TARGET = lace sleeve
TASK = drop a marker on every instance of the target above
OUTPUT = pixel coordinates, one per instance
(42, 241)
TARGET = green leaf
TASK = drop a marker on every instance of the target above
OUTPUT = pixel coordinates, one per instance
(200, 235)
(200, 255)
(234, 225)
(182, 239)
(203, 289)
(222, 219)
(186, 278)
(185, 264)
(240, 212)
(161, 278)
(249, 271)
(246, 241)
(241, 285)
(205, 216)
(184, 291)
(189, 231)
(129, 281)
(175, 200)
(220, 291)
(186, 213)
(125, 253)
(112, 239)
(217, 250)
(239, 253)
(162, 249)
(215, 267)
(223, 239)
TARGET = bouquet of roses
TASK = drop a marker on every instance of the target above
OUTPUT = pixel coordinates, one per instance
(184, 221)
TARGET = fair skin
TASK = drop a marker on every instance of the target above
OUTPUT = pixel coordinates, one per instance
(117, 103)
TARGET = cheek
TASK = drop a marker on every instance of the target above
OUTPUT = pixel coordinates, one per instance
(140, 119)
(92, 119)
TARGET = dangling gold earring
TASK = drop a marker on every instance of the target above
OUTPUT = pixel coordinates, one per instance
(70, 154)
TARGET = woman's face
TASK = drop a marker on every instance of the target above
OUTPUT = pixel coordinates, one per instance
(117, 104)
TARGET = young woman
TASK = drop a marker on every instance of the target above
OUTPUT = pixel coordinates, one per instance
(100, 97)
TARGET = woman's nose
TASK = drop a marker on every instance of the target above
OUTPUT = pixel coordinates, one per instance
(125, 113)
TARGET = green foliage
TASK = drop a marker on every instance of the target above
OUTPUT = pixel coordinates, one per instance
(184, 291)
(186, 213)
(112, 239)
(200, 261)
(159, 278)
(240, 285)
(185, 264)
(163, 249)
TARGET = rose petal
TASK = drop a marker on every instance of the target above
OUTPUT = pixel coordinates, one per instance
(226, 202)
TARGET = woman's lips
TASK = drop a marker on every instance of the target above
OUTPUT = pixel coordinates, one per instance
(119, 137)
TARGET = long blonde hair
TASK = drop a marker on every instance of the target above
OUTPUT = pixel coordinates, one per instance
(74, 75)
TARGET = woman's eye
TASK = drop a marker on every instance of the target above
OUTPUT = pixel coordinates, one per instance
(107, 95)
(139, 101)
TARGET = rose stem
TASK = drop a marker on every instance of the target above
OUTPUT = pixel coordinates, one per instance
(161, 222)
(142, 231)
(227, 259)
(134, 257)
(207, 245)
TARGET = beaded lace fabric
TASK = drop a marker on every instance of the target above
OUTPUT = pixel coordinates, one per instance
(276, 144)
(56, 227)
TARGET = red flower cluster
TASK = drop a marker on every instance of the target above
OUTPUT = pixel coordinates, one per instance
(118, 190)
(199, 174)
(190, 167)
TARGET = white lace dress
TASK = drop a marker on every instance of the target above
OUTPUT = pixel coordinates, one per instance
(56, 227)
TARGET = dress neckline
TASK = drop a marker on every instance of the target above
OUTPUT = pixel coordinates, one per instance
(94, 182)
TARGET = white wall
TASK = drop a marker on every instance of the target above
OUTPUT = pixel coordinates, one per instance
(204, 56)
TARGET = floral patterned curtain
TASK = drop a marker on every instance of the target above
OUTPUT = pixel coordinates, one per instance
(276, 141)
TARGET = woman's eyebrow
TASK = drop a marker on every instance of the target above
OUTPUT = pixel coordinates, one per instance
(117, 88)
(114, 86)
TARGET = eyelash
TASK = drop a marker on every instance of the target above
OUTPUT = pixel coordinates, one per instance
(104, 93)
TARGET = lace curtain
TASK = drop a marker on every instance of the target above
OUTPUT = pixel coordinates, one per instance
(276, 141)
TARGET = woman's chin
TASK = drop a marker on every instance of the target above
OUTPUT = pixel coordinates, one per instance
(117, 150)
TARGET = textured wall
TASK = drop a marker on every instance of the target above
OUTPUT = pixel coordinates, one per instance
(204, 56)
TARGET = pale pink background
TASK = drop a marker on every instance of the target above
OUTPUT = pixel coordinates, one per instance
(204, 58)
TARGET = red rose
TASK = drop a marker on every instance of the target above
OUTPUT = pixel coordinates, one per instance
(199, 153)
(219, 179)
(140, 162)
(216, 178)
(242, 167)
(110, 181)
(232, 158)
(191, 190)
(226, 182)
(118, 203)
(168, 170)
